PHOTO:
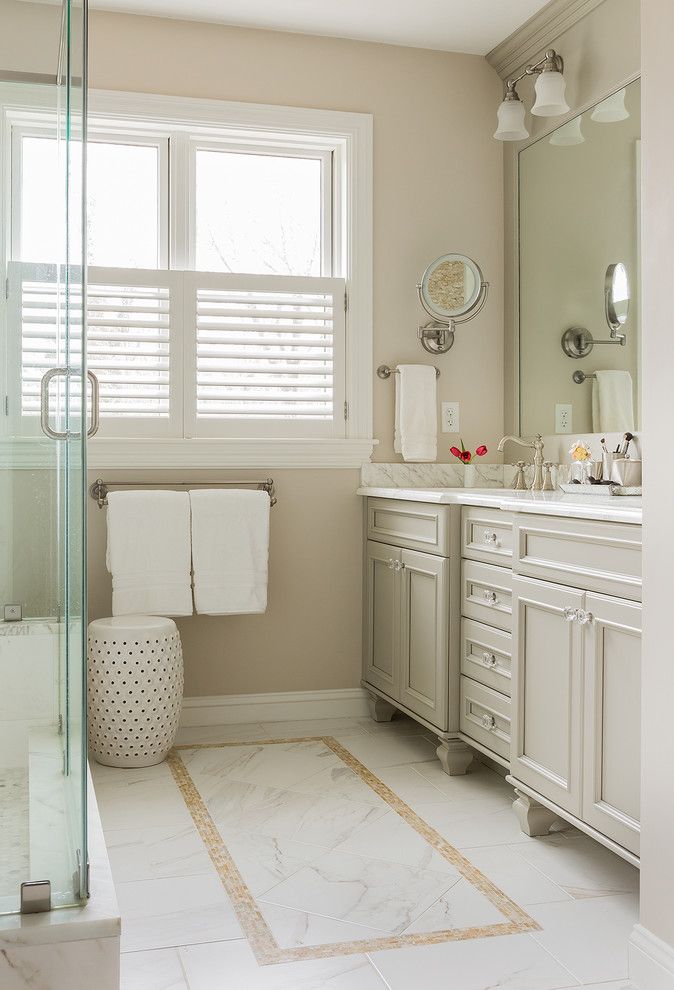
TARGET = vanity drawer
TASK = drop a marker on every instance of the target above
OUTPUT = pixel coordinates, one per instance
(486, 655)
(485, 717)
(487, 535)
(604, 557)
(486, 593)
(417, 525)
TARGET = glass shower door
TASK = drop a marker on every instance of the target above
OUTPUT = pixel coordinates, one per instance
(42, 479)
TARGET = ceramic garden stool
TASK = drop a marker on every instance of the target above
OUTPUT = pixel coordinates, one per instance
(135, 689)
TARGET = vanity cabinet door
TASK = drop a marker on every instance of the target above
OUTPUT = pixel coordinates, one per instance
(382, 598)
(612, 646)
(547, 691)
(424, 636)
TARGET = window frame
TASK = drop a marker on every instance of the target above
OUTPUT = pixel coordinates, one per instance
(347, 138)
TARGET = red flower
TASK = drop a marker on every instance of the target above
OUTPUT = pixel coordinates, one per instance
(455, 451)
(465, 456)
(481, 451)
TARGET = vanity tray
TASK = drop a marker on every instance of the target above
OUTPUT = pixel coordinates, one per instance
(602, 491)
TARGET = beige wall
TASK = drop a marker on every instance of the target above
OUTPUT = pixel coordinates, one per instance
(657, 851)
(437, 188)
(601, 52)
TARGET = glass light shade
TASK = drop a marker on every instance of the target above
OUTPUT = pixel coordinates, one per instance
(568, 134)
(511, 121)
(611, 109)
(550, 100)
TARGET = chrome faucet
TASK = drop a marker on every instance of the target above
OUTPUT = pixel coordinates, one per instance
(537, 446)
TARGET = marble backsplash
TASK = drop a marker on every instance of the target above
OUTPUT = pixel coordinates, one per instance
(445, 475)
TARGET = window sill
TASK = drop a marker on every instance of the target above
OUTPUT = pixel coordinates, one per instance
(105, 453)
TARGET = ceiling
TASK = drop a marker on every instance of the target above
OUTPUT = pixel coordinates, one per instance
(474, 26)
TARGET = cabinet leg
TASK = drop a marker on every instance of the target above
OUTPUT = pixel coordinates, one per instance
(534, 818)
(380, 710)
(455, 757)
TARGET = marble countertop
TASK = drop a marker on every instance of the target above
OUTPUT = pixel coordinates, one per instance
(610, 508)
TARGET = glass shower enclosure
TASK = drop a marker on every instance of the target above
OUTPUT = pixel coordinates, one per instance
(43, 427)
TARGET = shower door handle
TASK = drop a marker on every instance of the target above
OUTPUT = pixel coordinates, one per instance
(44, 403)
(95, 405)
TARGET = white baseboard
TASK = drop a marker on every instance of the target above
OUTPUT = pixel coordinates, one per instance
(651, 961)
(281, 706)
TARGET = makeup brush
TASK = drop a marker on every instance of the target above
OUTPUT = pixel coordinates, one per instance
(627, 439)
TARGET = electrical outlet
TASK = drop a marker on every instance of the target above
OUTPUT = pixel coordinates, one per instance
(563, 417)
(12, 613)
(450, 417)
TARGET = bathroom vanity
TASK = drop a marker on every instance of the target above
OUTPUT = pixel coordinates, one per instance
(509, 623)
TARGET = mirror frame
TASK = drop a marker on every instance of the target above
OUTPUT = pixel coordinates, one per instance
(456, 316)
(612, 318)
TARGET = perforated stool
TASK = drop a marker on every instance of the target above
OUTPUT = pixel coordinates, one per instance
(135, 689)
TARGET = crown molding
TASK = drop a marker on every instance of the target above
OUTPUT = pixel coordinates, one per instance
(537, 34)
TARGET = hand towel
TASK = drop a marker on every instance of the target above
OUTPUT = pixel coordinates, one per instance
(149, 553)
(230, 550)
(612, 402)
(416, 423)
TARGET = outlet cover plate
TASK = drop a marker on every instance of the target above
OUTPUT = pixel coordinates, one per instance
(12, 613)
(450, 417)
(563, 417)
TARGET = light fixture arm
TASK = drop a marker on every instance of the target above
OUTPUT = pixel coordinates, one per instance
(551, 62)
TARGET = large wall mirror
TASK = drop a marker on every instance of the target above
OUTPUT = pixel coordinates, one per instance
(579, 328)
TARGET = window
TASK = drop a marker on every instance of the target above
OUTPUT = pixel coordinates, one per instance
(222, 247)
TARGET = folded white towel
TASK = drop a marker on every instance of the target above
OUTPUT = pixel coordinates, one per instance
(612, 402)
(149, 553)
(230, 550)
(416, 424)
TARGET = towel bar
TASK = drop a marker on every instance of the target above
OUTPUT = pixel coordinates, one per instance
(384, 372)
(99, 489)
(580, 376)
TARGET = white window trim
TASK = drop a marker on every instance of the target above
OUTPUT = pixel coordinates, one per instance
(351, 133)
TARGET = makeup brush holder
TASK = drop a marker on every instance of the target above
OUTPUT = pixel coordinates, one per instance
(626, 472)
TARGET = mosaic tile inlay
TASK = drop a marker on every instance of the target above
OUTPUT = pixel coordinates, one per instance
(320, 858)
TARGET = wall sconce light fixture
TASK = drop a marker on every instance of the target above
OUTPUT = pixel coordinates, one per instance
(550, 101)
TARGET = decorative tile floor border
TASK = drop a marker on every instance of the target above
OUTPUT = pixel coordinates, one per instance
(266, 949)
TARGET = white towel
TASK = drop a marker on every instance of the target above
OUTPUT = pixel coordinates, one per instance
(149, 553)
(416, 416)
(612, 403)
(230, 550)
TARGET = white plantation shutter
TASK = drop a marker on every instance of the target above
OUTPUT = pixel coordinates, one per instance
(197, 354)
(266, 355)
(132, 345)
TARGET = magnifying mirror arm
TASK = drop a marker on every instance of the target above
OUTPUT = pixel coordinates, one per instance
(437, 337)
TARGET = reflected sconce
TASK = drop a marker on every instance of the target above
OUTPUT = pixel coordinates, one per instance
(611, 109)
(568, 134)
(550, 100)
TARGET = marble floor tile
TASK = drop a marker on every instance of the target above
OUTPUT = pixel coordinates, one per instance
(233, 732)
(278, 765)
(509, 962)
(514, 875)
(292, 928)
(579, 865)
(479, 782)
(153, 853)
(390, 838)
(232, 965)
(157, 914)
(466, 827)
(589, 936)
(265, 860)
(462, 906)
(156, 803)
(134, 778)
(388, 751)
(338, 781)
(361, 891)
(14, 832)
(400, 724)
(409, 785)
(158, 969)
(320, 820)
(314, 727)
